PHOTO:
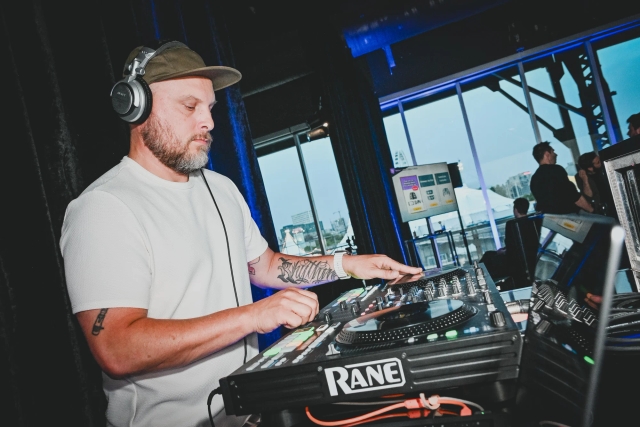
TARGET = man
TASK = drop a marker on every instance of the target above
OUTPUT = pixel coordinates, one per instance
(159, 254)
(634, 125)
(551, 187)
(601, 195)
(496, 261)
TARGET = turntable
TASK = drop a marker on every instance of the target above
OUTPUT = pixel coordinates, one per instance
(444, 329)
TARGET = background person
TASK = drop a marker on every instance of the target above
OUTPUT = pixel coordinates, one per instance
(551, 187)
(159, 255)
(634, 125)
(496, 261)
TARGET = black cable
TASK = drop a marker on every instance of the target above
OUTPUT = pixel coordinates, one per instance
(235, 291)
(209, 399)
(226, 236)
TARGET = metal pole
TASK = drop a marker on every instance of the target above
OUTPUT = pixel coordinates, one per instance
(527, 97)
(476, 161)
(307, 185)
(601, 96)
(464, 236)
(406, 131)
(434, 244)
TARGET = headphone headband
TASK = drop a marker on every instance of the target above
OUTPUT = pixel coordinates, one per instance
(131, 97)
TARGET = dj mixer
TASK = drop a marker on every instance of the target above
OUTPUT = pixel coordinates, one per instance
(446, 328)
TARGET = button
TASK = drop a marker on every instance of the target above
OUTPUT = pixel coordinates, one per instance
(327, 317)
(254, 366)
(272, 352)
(451, 334)
(269, 364)
(588, 360)
(432, 337)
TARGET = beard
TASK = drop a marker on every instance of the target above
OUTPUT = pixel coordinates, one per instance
(160, 139)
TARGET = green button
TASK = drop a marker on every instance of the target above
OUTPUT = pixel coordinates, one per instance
(432, 337)
(272, 352)
(451, 334)
(588, 360)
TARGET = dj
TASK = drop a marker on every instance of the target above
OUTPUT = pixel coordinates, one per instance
(159, 253)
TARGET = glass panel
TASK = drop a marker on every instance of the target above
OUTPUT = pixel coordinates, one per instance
(288, 200)
(397, 138)
(619, 58)
(566, 104)
(328, 195)
(504, 139)
(438, 134)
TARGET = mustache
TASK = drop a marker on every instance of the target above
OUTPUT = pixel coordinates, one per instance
(206, 136)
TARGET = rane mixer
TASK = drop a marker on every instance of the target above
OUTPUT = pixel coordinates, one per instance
(442, 329)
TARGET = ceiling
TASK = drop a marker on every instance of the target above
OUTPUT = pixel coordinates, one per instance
(426, 39)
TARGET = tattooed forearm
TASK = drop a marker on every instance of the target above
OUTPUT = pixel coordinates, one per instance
(252, 271)
(306, 271)
(97, 325)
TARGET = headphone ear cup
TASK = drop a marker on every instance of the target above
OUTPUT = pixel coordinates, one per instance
(148, 100)
(131, 100)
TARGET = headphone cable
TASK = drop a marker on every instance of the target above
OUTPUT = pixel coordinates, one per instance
(235, 291)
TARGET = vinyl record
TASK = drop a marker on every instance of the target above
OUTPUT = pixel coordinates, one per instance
(404, 321)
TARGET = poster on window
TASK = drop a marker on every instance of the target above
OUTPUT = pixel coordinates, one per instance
(423, 191)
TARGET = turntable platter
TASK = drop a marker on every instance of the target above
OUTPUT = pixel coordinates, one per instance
(401, 322)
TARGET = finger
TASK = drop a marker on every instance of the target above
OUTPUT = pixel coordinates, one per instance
(401, 268)
(302, 296)
(305, 303)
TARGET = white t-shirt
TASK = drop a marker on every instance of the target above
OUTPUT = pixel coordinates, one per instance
(132, 239)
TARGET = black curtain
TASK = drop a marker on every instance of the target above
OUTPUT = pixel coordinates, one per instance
(358, 139)
(59, 62)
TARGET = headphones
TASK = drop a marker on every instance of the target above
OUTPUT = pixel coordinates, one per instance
(131, 96)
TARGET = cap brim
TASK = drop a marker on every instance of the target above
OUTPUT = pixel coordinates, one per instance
(220, 76)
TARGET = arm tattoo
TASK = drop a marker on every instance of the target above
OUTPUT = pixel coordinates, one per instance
(306, 271)
(252, 271)
(97, 326)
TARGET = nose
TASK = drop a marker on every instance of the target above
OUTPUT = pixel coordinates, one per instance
(206, 120)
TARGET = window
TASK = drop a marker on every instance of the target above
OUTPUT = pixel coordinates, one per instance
(619, 58)
(438, 134)
(504, 138)
(287, 166)
(397, 138)
(328, 196)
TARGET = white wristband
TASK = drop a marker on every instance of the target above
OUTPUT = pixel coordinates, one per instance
(337, 265)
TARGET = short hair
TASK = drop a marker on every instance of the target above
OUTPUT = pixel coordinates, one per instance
(539, 150)
(634, 120)
(585, 160)
(521, 205)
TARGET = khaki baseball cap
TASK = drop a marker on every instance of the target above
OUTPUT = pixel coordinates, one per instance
(180, 61)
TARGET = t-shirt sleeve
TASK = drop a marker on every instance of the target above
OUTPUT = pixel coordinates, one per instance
(106, 260)
(568, 189)
(255, 244)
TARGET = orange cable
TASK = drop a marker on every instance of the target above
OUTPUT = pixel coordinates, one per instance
(354, 419)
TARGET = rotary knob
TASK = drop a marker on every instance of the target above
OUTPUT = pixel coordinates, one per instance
(354, 310)
(497, 319)
(327, 317)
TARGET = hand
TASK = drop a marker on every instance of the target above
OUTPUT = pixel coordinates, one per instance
(583, 174)
(376, 266)
(290, 307)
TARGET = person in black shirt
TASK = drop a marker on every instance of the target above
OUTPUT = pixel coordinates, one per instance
(602, 198)
(634, 125)
(496, 261)
(551, 187)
